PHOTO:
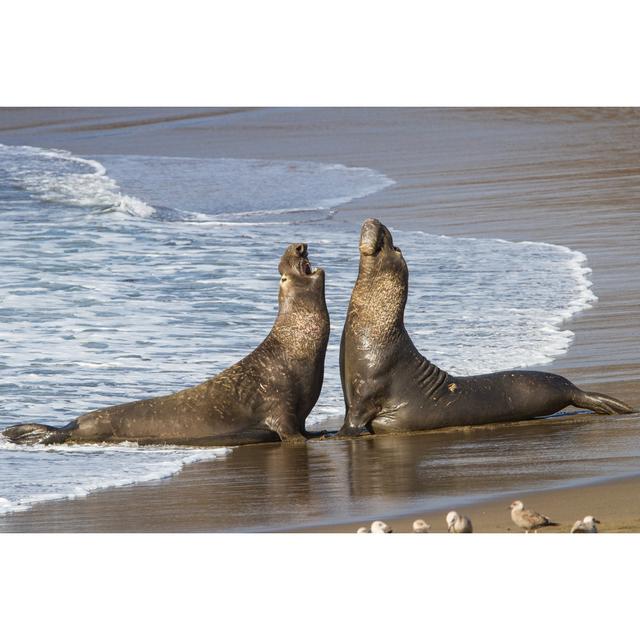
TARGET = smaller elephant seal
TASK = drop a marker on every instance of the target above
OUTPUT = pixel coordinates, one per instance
(267, 396)
(389, 386)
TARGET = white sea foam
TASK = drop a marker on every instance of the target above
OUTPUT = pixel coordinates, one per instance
(242, 190)
(32, 474)
(506, 302)
(56, 175)
(102, 309)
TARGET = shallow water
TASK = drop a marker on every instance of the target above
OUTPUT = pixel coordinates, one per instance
(30, 475)
(131, 276)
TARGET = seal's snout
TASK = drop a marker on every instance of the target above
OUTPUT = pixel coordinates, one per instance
(370, 236)
(375, 237)
(295, 262)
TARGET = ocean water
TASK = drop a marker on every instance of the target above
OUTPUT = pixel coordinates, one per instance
(126, 277)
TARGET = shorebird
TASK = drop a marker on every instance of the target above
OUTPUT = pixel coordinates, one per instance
(527, 519)
(363, 530)
(380, 527)
(587, 525)
(458, 524)
(420, 526)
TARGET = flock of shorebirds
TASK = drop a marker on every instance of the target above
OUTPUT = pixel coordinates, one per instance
(526, 519)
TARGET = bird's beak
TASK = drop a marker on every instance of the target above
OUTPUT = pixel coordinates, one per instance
(597, 521)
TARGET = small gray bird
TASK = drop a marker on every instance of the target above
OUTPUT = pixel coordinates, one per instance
(458, 524)
(420, 526)
(527, 519)
(587, 525)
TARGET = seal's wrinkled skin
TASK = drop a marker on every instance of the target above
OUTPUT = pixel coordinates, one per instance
(265, 397)
(389, 386)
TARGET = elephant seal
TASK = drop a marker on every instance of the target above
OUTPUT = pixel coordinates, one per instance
(264, 397)
(389, 386)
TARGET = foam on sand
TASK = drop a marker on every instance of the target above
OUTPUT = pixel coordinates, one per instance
(56, 175)
(33, 474)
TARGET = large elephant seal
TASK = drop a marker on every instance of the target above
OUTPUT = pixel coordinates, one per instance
(264, 397)
(390, 387)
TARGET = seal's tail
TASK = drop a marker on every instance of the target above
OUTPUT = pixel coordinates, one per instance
(33, 433)
(599, 402)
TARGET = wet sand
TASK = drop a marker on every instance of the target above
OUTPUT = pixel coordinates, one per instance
(615, 504)
(565, 176)
(336, 485)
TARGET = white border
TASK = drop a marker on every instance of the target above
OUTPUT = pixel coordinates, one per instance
(334, 52)
(71, 52)
(317, 586)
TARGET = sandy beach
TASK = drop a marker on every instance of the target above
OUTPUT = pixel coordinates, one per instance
(564, 176)
(615, 504)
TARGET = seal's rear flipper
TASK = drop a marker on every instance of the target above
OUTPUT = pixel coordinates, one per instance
(600, 403)
(33, 433)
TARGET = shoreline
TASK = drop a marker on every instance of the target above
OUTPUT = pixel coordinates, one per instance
(225, 495)
(432, 193)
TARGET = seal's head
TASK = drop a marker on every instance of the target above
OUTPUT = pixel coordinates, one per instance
(380, 292)
(377, 248)
(299, 281)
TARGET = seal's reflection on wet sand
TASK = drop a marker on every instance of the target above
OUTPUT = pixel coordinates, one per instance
(287, 487)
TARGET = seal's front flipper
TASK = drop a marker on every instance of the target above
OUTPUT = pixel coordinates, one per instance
(314, 435)
(357, 423)
(34, 433)
(351, 430)
(600, 403)
(287, 427)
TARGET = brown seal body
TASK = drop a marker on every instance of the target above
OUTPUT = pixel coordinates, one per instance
(390, 387)
(265, 397)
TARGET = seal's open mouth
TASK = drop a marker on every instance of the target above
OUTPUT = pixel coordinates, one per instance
(305, 267)
(295, 263)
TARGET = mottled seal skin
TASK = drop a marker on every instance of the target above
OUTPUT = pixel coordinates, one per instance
(264, 397)
(389, 386)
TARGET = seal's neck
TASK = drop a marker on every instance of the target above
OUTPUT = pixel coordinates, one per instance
(302, 325)
(376, 318)
(378, 301)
